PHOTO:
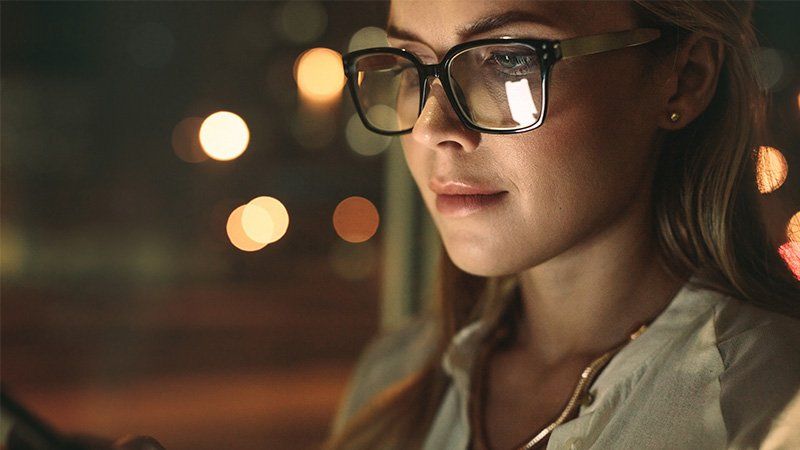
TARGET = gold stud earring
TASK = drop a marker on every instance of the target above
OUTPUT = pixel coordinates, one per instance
(674, 117)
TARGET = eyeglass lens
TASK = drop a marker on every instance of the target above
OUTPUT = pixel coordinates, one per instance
(497, 87)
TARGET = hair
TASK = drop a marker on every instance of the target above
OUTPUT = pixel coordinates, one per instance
(707, 215)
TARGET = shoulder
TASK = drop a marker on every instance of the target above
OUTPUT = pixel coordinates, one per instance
(750, 339)
(388, 357)
(760, 352)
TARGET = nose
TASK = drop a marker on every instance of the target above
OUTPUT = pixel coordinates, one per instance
(438, 126)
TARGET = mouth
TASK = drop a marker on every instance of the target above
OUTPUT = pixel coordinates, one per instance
(454, 187)
(464, 205)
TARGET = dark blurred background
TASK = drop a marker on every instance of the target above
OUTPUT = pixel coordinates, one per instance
(126, 305)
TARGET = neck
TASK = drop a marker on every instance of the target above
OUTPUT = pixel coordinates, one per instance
(588, 300)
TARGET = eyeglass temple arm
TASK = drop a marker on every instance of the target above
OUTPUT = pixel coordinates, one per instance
(606, 42)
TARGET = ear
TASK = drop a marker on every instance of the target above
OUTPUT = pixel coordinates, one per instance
(692, 79)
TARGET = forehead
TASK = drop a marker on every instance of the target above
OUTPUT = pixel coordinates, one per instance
(443, 23)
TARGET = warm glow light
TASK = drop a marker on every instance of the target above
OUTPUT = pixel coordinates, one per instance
(237, 235)
(186, 140)
(278, 217)
(771, 169)
(257, 223)
(355, 219)
(224, 135)
(793, 228)
(319, 74)
(790, 252)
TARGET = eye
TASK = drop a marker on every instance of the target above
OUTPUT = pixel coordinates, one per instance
(513, 63)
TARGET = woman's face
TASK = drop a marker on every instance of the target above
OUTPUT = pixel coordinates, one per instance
(563, 183)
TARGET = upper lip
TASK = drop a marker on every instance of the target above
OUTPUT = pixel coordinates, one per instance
(443, 186)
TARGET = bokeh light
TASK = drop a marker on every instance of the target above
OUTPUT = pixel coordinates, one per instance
(186, 140)
(773, 68)
(278, 216)
(355, 219)
(790, 252)
(301, 22)
(319, 74)
(793, 228)
(368, 37)
(237, 235)
(771, 169)
(353, 262)
(383, 116)
(224, 136)
(257, 223)
(364, 141)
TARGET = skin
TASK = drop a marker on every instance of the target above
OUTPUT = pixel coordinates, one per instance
(575, 226)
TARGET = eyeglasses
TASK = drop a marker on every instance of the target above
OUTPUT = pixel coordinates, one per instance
(496, 86)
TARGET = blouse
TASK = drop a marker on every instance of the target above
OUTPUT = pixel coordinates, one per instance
(710, 372)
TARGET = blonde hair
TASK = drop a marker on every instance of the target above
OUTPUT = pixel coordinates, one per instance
(707, 218)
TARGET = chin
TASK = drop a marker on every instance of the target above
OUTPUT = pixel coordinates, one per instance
(480, 261)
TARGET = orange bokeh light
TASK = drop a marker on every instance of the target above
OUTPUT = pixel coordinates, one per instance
(237, 234)
(793, 228)
(355, 219)
(224, 136)
(790, 252)
(278, 217)
(319, 74)
(771, 169)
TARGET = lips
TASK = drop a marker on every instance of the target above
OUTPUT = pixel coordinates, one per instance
(464, 205)
(461, 198)
(458, 187)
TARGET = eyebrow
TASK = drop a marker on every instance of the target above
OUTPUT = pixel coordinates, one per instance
(480, 26)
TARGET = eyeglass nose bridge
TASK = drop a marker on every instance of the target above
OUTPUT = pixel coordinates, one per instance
(427, 71)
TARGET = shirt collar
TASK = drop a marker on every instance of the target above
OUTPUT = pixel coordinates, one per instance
(688, 304)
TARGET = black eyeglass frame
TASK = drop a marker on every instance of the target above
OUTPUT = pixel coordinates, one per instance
(548, 52)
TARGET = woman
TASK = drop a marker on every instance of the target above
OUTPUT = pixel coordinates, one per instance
(606, 281)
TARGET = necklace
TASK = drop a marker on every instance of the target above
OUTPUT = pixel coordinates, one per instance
(580, 395)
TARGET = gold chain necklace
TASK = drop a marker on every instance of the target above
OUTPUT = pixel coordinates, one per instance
(579, 395)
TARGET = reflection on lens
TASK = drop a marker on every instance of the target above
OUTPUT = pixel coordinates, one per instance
(523, 110)
(498, 86)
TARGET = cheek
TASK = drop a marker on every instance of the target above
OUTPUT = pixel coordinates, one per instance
(600, 130)
(588, 162)
(417, 159)
(608, 101)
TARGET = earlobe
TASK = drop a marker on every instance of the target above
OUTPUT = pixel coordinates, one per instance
(693, 83)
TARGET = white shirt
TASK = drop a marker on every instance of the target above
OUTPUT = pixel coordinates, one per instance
(710, 372)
